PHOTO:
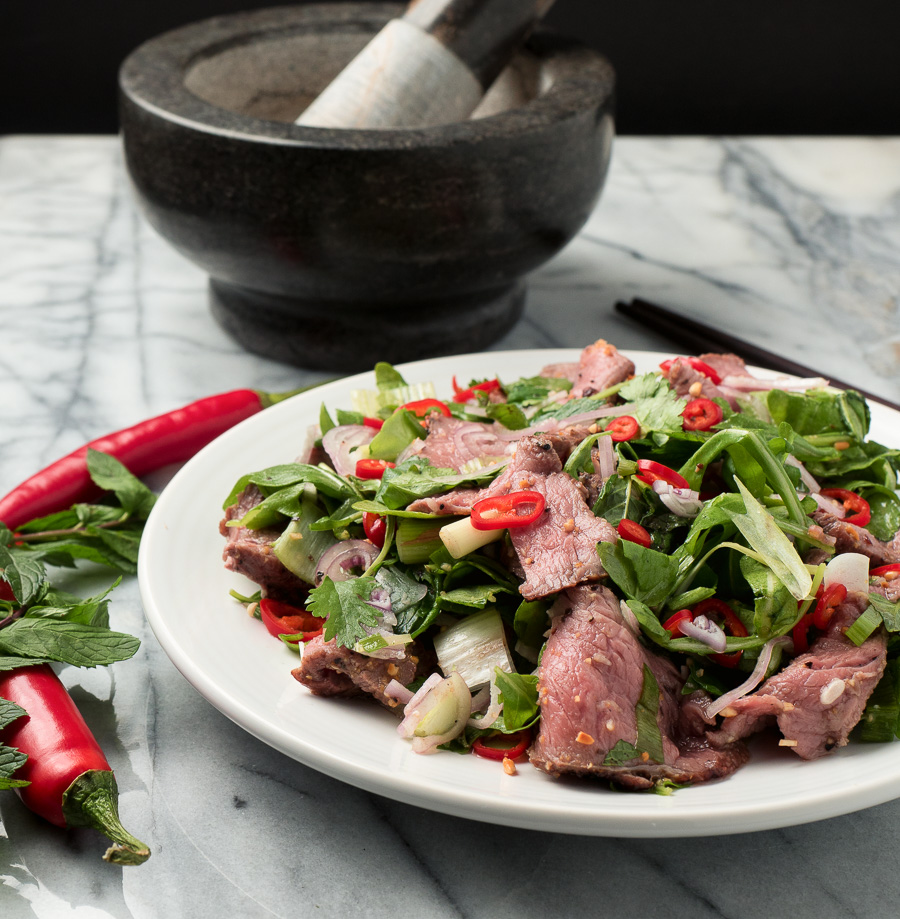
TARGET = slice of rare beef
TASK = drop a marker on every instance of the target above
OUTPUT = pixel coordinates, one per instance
(249, 552)
(330, 669)
(590, 681)
(820, 696)
(451, 442)
(848, 537)
(601, 365)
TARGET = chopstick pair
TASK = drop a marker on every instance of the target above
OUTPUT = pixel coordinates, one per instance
(697, 336)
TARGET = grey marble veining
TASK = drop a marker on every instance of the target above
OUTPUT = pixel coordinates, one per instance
(792, 243)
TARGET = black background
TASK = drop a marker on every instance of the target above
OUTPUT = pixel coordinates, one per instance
(812, 67)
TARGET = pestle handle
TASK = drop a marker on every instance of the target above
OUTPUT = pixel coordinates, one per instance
(431, 66)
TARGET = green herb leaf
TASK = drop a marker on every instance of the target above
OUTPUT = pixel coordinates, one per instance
(11, 760)
(345, 608)
(136, 499)
(66, 642)
(518, 693)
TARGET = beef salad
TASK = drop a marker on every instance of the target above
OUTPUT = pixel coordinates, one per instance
(611, 574)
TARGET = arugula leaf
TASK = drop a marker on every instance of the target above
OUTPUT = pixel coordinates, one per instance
(66, 642)
(399, 430)
(773, 547)
(345, 608)
(417, 478)
(649, 736)
(643, 574)
(518, 693)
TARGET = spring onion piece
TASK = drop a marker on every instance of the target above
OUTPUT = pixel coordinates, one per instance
(370, 402)
(850, 569)
(473, 647)
(418, 539)
(299, 548)
(460, 538)
(438, 716)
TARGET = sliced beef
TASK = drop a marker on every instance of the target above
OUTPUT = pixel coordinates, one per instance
(560, 549)
(691, 384)
(600, 366)
(249, 552)
(451, 443)
(726, 365)
(848, 537)
(820, 696)
(589, 682)
(453, 503)
(567, 371)
(329, 669)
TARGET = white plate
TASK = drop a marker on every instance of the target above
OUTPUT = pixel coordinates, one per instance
(235, 664)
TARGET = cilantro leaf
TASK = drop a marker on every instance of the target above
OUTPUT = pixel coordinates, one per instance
(345, 608)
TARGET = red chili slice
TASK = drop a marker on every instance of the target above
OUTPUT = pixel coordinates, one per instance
(376, 423)
(701, 414)
(372, 468)
(800, 634)
(634, 532)
(862, 513)
(696, 364)
(517, 509)
(625, 427)
(650, 471)
(463, 395)
(731, 625)
(828, 600)
(421, 408)
(375, 528)
(283, 619)
(673, 623)
(884, 570)
(519, 743)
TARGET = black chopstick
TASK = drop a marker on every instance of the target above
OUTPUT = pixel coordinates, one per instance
(697, 336)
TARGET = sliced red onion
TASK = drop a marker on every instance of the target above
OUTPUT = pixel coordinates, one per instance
(704, 630)
(683, 502)
(396, 690)
(755, 678)
(746, 383)
(493, 710)
(812, 486)
(835, 508)
(339, 561)
(420, 693)
(604, 458)
(380, 598)
(446, 702)
(549, 425)
(481, 699)
(339, 442)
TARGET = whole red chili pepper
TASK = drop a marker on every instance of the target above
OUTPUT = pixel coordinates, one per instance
(72, 783)
(170, 438)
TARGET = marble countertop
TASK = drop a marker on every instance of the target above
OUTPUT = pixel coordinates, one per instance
(791, 243)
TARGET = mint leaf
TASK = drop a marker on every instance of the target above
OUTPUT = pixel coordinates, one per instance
(66, 642)
(345, 608)
(10, 761)
(136, 499)
(9, 711)
(25, 575)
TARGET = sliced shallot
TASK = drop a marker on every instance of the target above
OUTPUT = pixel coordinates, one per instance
(704, 630)
(683, 502)
(755, 678)
(339, 561)
(341, 440)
